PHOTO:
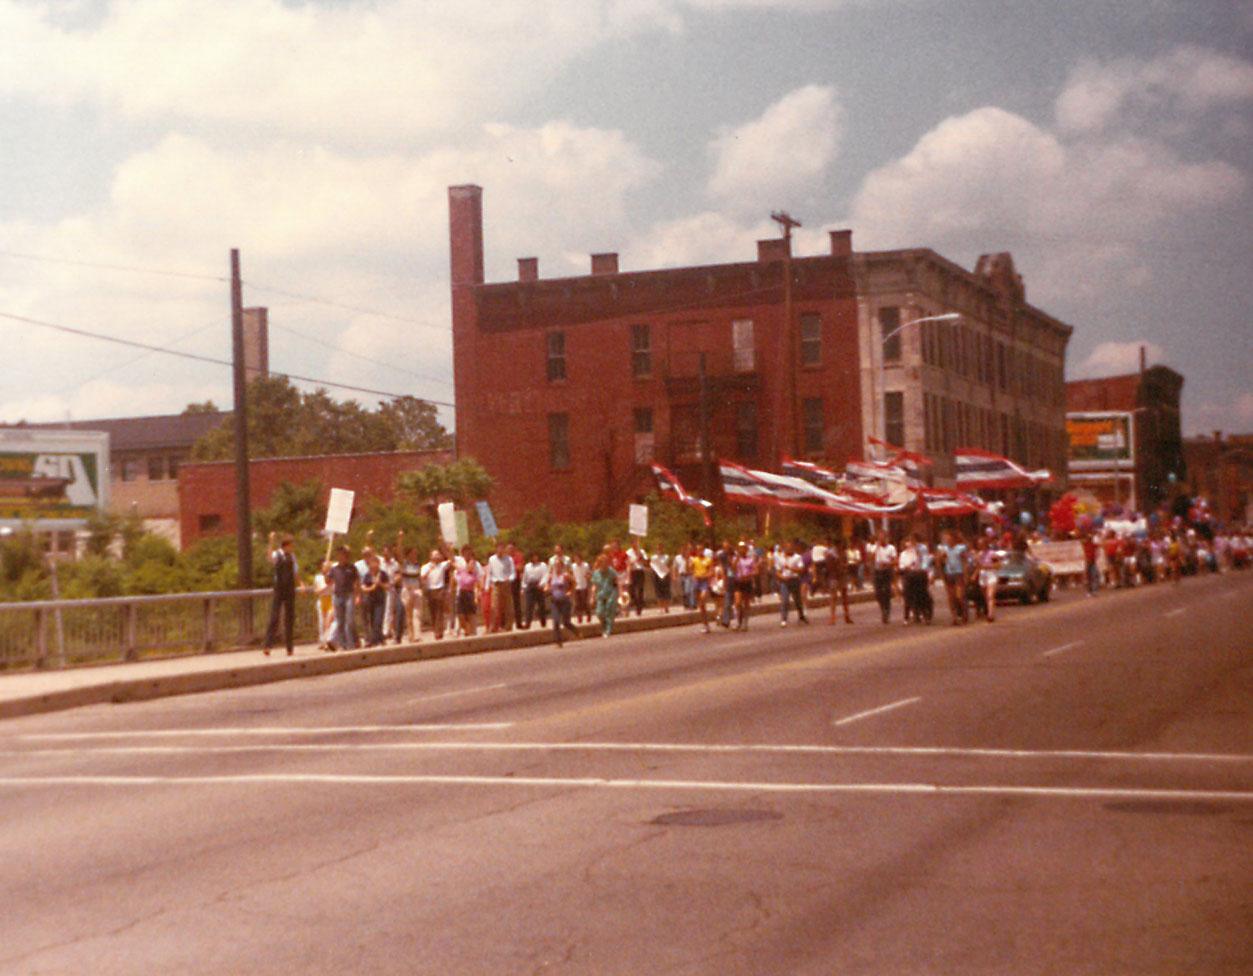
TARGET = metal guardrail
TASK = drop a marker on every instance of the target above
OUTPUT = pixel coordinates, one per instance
(57, 633)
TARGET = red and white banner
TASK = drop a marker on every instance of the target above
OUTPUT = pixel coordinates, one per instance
(745, 486)
(978, 469)
(671, 487)
(941, 502)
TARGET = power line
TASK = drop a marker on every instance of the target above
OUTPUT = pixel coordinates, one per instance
(356, 355)
(164, 272)
(211, 360)
(331, 303)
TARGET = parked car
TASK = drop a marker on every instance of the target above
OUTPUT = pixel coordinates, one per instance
(1023, 577)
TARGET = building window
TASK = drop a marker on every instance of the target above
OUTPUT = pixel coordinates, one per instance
(644, 438)
(559, 441)
(811, 339)
(811, 409)
(171, 466)
(928, 440)
(641, 351)
(130, 469)
(746, 430)
(742, 345)
(156, 468)
(889, 323)
(894, 418)
(1005, 434)
(556, 356)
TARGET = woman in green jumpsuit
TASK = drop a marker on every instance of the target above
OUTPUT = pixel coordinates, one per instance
(605, 588)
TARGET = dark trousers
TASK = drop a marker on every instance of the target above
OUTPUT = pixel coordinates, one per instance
(376, 613)
(883, 592)
(398, 616)
(515, 589)
(917, 597)
(636, 586)
(284, 602)
(561, 617)
(535, 604)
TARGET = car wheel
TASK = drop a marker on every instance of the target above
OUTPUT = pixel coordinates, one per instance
(1046, 592)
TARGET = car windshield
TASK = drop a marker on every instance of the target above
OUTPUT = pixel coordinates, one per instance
(1014, 560)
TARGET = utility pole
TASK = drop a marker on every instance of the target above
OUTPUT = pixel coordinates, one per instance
(792, 362)
(243, 506)
(706, 454)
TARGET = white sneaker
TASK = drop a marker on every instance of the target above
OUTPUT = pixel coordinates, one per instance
(782, 623)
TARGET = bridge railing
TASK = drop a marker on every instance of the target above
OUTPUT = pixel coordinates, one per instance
(60, 633)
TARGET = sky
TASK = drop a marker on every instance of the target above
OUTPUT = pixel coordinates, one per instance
(1107, 145)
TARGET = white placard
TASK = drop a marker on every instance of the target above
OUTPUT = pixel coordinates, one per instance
(339, 511)
(448, 522)
(639, 520)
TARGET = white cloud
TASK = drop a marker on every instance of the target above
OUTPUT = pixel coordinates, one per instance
(380, 71)
(1081, 212)
(1117, 358)
(708, 237)
(1185, 81)
(1231, 417)
(784, 150)
(366, 231)
(108, 398)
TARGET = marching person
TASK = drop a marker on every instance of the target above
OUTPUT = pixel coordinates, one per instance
(374, 586)
(659, 564)
(534, 582)
(345, 593)
(559, 583)
(411, 592)
(283, 602)
(605, 587)
(637, 572)
(951, 557)
(501, 573)
(745, 584)
(987, 559)
(325, 606)
(434, 584)
(701, 566)
(789, 565)
(467, 578)
(882, 557)
(837, 574)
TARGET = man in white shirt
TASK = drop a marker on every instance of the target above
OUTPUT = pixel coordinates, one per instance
(659, 563)
(882, 555)
(789, 565)
(501, 573)
(435, 586)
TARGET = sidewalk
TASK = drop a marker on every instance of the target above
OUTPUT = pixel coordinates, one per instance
(32, 692)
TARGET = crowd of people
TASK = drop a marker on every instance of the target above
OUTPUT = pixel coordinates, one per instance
(394, 594)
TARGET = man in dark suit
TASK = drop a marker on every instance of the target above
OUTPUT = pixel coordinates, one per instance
(284, 600)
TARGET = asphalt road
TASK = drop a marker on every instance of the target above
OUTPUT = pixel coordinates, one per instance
(1068, 790)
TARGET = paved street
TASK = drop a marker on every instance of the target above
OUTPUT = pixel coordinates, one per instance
(1068, 790)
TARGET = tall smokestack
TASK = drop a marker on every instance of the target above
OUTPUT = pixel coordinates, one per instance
(465, 234)
(1143, 359)
(256, 343)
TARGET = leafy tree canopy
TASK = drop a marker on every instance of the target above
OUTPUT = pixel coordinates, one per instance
(462, 482)
(286, 422)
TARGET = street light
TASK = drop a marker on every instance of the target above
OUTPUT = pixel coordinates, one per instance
(882, 392)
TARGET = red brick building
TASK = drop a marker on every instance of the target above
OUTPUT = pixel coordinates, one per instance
(1149, 441)
(567, 387)
(206, 489)
(1220, 470)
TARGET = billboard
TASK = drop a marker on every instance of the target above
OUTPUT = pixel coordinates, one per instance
(52, 480)
(1100, 441)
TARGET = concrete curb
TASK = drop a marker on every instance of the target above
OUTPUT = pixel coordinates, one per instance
(267, 671)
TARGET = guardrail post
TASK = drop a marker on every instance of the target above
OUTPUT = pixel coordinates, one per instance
(208, 625)
(41, 640)
(132, 628)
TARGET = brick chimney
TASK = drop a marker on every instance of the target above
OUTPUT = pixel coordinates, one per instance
(528, 269)
(841, 243)
(773, 249)
(256, 343)
(606, 263)
(465, 234)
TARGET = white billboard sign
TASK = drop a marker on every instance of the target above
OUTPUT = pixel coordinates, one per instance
(52, 480)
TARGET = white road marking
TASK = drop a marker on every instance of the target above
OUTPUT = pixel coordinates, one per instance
(876, 711)
(462, 691)
(1174, 613)
(1063, 647)
(663, 747)
(270, 730)
(922, 789)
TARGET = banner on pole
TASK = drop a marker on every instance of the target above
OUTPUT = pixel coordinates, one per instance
(339, 511)
(447, 522)
(487, 519)
(639, 520)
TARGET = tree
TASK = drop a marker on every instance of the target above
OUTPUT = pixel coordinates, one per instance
(284, 422)
(298, 509)
(460, 482)
(194, 408)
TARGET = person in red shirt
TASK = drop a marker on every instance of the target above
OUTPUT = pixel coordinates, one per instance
(1091, 572)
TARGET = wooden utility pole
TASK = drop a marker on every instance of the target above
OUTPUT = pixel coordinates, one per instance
(792, 362)
(243, 503)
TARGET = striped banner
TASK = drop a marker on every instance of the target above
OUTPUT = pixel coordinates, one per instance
(978, 469)
(749, 487)
(671, 487)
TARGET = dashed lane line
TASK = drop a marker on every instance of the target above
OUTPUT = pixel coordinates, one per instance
(1175, 613)
(458, 692)
(890, 789)
(877, 711)
(1061, 648)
